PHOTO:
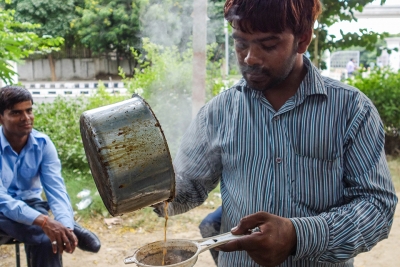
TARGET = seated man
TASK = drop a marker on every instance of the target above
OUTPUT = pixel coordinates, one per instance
(29, 164)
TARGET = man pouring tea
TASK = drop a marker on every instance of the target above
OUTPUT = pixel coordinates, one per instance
(298, 155)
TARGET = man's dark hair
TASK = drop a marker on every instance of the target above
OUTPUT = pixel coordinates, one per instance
(272, 15)
(11, 95)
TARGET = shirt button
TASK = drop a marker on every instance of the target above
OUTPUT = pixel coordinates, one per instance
(276, 118)
(278, 160)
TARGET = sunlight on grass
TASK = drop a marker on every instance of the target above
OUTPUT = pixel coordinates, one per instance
(394, 166)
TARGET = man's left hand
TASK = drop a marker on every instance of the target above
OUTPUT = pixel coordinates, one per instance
(275, 242)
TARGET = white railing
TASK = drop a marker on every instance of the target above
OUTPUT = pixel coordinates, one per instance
(54, 89)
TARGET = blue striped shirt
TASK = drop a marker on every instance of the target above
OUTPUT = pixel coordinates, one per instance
(319, 160)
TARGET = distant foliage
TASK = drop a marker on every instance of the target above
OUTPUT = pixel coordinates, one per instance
(382, 86)
(18, 41)
(60, 120)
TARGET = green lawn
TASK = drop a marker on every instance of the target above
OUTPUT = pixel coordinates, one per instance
(394, 166)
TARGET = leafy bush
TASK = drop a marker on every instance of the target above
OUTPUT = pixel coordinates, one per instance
(382, 86)
(60, 120)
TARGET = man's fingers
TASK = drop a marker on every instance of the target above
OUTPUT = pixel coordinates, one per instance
(72, 238)
(248, 223)
(54, 246)
(242, 243)
(68, 246)
(60, 245)
(72, 241)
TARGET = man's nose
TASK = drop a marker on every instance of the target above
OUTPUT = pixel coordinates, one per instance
(253, 56)
(25, 116)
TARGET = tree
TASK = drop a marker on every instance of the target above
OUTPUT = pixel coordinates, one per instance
(17, 41)
(54, 16)
(333, 12)
(110, 26)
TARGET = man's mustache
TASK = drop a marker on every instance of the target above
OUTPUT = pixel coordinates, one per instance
(255, 70)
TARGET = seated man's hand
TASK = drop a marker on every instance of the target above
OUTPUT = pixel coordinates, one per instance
(275, 242)
(62, 238)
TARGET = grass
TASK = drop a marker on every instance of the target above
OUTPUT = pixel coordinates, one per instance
(394, 166)
(145, 219)
(141, 220)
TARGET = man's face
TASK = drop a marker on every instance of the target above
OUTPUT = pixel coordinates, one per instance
(265, 59)
(18, 121)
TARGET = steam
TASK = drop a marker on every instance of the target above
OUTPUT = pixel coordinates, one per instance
(170, 23)
(165, 24)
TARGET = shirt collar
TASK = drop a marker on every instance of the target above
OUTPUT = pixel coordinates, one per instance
(4, 142)
(312, 83)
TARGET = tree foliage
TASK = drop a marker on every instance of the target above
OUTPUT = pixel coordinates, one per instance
(18, 40)
(105, 26)
(54, 16)
(335, 11)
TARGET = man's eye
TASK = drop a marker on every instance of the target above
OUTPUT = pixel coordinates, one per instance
(268, 47)
(240, 45)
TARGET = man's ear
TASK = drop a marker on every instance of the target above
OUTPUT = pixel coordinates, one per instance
(304, 41)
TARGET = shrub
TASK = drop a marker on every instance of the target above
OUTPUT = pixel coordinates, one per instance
(382, 86)
(60, 120)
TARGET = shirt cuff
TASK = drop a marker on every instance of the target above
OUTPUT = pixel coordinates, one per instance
(29, 216)
(312, 237)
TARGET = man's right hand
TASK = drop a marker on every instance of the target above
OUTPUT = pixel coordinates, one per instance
(62, 238)
(271, 246)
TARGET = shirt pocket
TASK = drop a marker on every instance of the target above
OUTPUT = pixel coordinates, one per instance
(28, 178)
(316, 183)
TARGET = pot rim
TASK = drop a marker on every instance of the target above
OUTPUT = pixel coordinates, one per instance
(182, 263)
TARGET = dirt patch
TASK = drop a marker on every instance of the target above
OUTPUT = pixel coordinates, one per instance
(121, 240)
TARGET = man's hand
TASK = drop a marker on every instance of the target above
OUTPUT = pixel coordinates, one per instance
(270, 247)
(62, 238)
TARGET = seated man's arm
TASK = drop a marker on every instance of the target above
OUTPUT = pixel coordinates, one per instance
(16, 210)
(54, 187)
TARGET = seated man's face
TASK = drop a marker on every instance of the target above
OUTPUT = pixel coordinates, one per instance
(18, 121)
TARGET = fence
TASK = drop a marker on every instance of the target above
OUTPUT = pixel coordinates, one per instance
(71, 89)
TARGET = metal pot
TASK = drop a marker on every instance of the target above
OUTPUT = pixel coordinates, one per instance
(128, 155)
(151, 254)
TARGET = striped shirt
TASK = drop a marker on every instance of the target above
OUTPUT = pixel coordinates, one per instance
(319, 160)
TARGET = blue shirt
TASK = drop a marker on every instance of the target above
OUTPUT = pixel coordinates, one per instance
(319, 160)
(25, 175)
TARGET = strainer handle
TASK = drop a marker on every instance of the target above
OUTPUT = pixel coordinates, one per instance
(129, 260)
(215, 241)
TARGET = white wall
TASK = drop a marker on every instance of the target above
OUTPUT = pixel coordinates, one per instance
(69, 69)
